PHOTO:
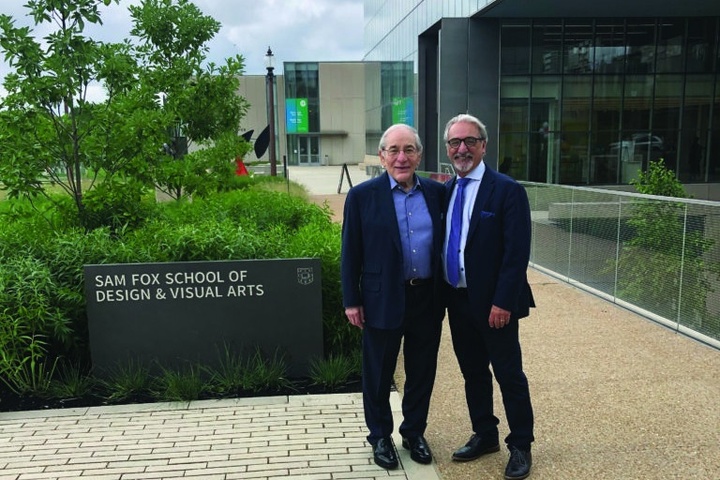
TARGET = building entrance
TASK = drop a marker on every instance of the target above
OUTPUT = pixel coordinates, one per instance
(308, 150)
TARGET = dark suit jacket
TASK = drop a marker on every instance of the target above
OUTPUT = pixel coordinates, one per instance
(372, 260)
(497, 250)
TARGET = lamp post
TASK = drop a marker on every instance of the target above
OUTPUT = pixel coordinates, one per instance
(270, 78)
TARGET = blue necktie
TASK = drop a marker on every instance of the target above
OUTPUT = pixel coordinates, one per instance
(452, 255)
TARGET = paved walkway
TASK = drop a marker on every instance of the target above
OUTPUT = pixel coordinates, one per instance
(302, 437)
(615, 396)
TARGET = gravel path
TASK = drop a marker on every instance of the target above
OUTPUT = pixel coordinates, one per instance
(615, 395)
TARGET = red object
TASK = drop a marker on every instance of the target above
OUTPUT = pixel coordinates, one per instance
(241, 169)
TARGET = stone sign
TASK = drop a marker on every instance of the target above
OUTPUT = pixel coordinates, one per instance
(175, 313)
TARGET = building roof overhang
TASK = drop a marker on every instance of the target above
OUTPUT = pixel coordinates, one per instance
(595, 9)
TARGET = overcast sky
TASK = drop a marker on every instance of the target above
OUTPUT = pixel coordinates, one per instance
(296, 30)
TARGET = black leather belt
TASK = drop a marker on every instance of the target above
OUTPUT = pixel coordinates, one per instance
(418, 282)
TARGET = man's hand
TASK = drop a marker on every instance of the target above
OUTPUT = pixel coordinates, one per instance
(356, 315)
(499, 317)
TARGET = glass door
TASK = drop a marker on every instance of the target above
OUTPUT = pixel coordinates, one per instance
(309, 150)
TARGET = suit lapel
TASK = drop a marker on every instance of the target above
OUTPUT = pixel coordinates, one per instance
(487, 185)
(384, 196)
(431, 201)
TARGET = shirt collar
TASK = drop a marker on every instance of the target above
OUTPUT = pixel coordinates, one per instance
(477, 172)
(394, 183)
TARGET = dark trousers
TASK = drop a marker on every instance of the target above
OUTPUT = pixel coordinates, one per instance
(477, 346)
(420, 337)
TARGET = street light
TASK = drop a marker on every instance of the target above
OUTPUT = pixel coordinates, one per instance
(270, 77)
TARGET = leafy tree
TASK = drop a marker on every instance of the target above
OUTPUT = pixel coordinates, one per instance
(202, 108)
(659, 180)
(45, 116)
(49, 130)
(663, 267)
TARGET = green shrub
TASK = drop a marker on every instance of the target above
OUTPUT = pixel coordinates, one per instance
(24, 366)
(71, 381)
(179, 385)
(42, 301)
(30, 306)
(333, 371)
(116, 204)
(227, 377)
(263, 373)
(127, 380)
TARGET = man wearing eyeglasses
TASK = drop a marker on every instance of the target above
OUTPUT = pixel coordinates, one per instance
(486, 255)
(391, 279)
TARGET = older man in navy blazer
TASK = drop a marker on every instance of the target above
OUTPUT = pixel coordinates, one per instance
(487, 250)
(391, 278)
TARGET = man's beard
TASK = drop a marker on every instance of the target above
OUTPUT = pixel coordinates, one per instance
(463, 163)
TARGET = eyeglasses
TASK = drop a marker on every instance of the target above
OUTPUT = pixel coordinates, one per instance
(468, 141)
(409, 152)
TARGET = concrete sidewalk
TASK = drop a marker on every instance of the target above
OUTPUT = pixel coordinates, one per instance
(615, 396)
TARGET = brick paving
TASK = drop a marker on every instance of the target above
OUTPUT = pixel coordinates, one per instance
(311, 437)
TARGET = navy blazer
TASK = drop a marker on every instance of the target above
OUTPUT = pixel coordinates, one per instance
(497, 250)
(372, 260)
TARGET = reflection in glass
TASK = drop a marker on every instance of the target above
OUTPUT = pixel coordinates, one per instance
(640, 41)
(637, 102)
(609, 46)
(577, 45)
(514, 94)
(389, 99)
(700, 44)
(666, 119)
(575, 106)
(515, 45)
(547, 40)
(605, 157)
(574, 160)
(670, 54)
(513, 155)
(607, 105)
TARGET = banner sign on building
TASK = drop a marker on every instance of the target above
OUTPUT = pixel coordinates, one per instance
(175, 313)
(296, 115)
(403, 110)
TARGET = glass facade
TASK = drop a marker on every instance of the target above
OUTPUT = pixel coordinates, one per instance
(390, 98)
(302, 112)
(585, 101)
(392, 27)
(593, 101)
(391, 30)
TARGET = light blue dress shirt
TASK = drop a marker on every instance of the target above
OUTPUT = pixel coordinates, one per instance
(416, 230)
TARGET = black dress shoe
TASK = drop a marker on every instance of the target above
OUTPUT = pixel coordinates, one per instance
(518, 466)
(476, 447)
(419, 449)
(384, 454)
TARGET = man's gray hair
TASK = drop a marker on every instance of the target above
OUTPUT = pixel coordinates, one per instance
(418, 143)
(465, 118)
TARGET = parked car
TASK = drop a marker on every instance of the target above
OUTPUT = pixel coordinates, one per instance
(648, 141)
(639, 143)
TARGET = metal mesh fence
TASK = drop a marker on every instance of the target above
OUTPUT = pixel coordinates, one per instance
(658, 256)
